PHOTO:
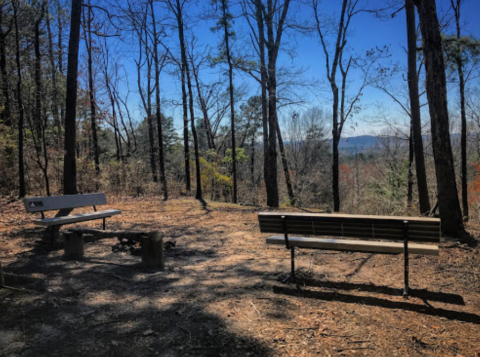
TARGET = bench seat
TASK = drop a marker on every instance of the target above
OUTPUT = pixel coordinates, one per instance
(354, 245)
(58, 221)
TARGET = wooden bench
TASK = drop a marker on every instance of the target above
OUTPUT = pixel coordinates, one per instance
(369, 234)
(65, 205)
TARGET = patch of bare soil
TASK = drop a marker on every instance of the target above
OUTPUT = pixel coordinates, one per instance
(221, 293)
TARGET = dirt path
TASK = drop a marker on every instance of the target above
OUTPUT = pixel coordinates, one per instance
(221, 293)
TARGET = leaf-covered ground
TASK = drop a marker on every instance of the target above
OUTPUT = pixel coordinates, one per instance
(221, 293)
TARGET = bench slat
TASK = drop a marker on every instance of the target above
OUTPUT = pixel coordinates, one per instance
(40, 204)
(419, 229)
(57, 221)
(354, 245)
(357, 217)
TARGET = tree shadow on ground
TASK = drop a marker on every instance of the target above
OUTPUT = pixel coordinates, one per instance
(98, 307)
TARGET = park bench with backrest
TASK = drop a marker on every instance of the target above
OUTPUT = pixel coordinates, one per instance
(65, 205)
(356, 233)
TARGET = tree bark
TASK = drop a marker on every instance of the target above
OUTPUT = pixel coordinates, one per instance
(410, 164)
(232, 103)
(6, 113)
(21, 113)
(93, 116)
(270, 178)
(177, 9)
(436, 86)
(416, 122)
(286, 171)
(463, 139)
(163, 178)
(70, 164)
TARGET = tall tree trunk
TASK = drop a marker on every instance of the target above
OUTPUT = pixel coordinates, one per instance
(21, 111)
(93, 104)
(252, 171)
(70, 164)
(232, 103)
(410, 172)
(181, 38)
(153, 150)
(463, 140)
(60, 57)
(436, 86)
(163, 179)
(286, 171)
(198, 194)
(271, 184)
(147, 97)
(203, 106)
(55, 113)
(6, 113)
(40, 119)
(416, 121)
(273, 44)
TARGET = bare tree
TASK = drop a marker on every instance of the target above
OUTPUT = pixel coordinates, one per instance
(156, 60)
(93, 104)
(70, 164)
(338, 60)
(436, 85)
(416, 122)
(21, 112)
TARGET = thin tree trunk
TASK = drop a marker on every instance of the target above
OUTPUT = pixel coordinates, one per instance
(181, 38)
(232, 103)
(6, 113)
(252, 171)
(270, 184)
(163, 179)
(286, 171)
(56, 115)
(203, 107)
(198, 194)
(60, 57)
(416, 121)
(436, 86)
(21, 113)
(463, 139)
(410, 171)
(93, 116)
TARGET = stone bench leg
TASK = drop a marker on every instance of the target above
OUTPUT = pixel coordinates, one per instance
(152, 251)
(73, 245)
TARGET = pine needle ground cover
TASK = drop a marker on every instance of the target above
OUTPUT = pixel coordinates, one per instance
(221, 293)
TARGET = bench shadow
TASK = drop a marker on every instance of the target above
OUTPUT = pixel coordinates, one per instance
(374, 301)
(382, 289)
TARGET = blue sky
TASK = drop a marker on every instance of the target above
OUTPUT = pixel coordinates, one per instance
(366, 33)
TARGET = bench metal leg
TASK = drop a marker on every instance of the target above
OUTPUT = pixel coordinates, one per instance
(293, 262)
(405, 255)
(104, 224)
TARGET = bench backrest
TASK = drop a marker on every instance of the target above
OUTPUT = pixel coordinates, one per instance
(40, 204)
(355, 226)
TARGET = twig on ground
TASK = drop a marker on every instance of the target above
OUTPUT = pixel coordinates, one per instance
(258, 312)
(189, 333)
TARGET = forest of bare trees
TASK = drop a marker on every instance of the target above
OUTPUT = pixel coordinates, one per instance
(167, 97)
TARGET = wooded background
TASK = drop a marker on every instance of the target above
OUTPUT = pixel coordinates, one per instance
(68, 123)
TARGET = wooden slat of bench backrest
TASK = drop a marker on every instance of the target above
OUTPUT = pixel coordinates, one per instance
(355, 226)
(39, 204)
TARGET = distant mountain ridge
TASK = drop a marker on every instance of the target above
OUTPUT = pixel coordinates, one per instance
(359, 144)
